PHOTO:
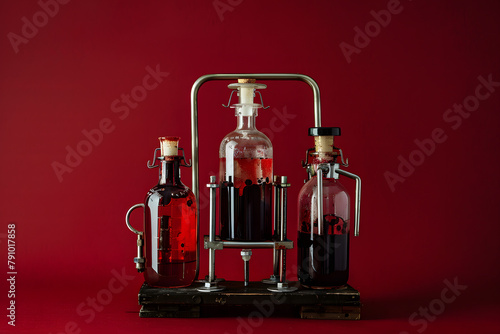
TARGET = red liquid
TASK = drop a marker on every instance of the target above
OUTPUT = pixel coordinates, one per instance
(323, 260)
(246, 203)
(170, 241)
(256, 170)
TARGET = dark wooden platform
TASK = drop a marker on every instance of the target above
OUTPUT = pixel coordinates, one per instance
(254, 300)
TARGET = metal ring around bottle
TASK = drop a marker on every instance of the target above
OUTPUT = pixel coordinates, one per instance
(127, 218)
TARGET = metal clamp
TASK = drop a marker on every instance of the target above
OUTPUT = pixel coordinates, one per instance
(230, 97)
(261, 101)
(153, 164)
(186, 164)
(346, 162)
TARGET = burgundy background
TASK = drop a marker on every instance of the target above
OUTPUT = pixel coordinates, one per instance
(441, 223)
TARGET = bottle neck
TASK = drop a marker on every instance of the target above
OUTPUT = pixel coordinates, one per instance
(245, 122)
(170, 173)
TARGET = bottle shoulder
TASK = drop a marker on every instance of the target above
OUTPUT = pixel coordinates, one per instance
(246, 144)
(331, 186)
(246, 137)
(170, 191)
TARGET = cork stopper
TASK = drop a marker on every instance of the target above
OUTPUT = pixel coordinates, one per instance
(169, 146)
(323, 138)
(247, 80)
(324, 144)
(246, 91)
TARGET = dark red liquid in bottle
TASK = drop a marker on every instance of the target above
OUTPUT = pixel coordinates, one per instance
(323, 260)
(247, 217)
(246, 201)
(170, 232)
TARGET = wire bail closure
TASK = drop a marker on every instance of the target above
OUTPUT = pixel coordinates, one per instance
(155, 157)
(238, 94)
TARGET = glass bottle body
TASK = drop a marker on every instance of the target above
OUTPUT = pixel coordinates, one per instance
(323, 256)
(245, 174)
(170, 230)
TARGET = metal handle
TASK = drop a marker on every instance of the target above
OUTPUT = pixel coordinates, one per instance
(357, 202)
(139, 260)
(127, 218)
(262, 76)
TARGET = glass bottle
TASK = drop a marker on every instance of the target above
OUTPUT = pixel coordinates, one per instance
(170, 224)
(323, 249)
(246, 173)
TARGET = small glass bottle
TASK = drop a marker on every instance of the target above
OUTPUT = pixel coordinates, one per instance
(246, 173)
(170, 224)
(323, 249)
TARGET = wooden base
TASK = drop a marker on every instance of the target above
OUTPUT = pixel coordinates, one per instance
(253, 300)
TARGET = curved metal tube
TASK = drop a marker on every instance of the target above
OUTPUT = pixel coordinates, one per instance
(357, 202)
(194, 125)
(127, 218)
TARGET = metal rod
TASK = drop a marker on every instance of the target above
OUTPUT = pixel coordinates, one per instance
(275, 263)
(211, 265)
(255, 244)
(246, 270)
(212, 209)
(277, 205)
(320, 200)
(282, 227)
(282, 238)
(357, 202)
(211, 253)
(194, 126)
(232, 209)
(282, 266)
(277, 222)
(284, 181)
(283, 191)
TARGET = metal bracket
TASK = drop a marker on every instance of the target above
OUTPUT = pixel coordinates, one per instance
(219, 244)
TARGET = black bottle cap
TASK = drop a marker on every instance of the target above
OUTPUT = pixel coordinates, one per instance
(323, 131)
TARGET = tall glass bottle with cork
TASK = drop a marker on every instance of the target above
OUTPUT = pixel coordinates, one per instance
(170, 224)
(246, 173)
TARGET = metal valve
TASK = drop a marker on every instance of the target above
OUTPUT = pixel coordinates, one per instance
(139, 259)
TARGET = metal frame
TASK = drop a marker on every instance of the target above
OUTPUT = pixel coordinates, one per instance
(280, 184)
(194, 129)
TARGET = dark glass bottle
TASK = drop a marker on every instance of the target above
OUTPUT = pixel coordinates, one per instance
(170, 224)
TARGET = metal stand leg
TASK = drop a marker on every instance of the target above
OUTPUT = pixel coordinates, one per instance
(274, 278)
(282, 285)
(211, 283)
